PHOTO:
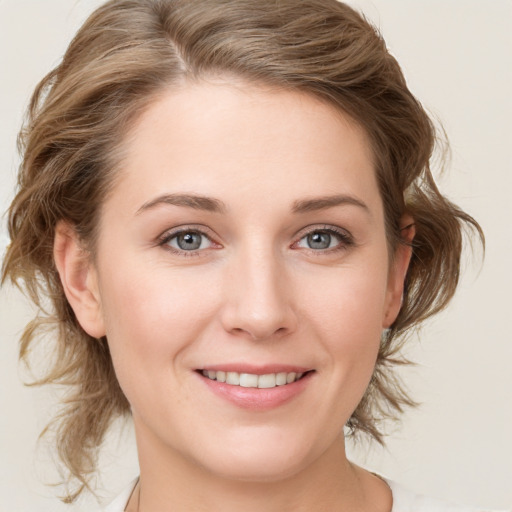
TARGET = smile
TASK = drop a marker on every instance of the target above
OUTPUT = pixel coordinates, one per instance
(251, 380)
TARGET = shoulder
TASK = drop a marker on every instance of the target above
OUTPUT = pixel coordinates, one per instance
(407, 501)
(120, 501)
(403, 501)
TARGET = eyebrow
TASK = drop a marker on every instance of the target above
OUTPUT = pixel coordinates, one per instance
(211, 204)
(322, 203)
(204, 203)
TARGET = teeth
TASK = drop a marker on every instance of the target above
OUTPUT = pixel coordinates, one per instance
(231, 378)
(267, 381)
(250, 380)
(280, 379)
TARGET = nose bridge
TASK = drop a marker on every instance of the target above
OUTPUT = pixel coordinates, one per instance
(259, 303)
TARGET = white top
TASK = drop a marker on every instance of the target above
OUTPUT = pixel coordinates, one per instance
(403, 501)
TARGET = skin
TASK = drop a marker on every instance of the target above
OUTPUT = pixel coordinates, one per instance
(255, 292)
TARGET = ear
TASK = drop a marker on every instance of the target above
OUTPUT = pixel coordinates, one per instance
(79, 279)
(398, 271)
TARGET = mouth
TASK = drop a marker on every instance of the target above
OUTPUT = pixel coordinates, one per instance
(253, 380)
(254, 388)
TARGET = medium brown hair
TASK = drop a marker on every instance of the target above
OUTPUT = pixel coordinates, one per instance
(126, 53)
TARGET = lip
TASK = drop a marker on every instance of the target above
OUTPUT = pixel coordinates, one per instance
(257, 399)
(256, 369)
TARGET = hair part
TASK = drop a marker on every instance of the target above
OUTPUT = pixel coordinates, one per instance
(123, 57)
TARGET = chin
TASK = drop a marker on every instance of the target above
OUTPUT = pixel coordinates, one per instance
(258, 460)
(251, 470)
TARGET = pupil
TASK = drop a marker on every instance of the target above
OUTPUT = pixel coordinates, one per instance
(189, 241)
(319, 240)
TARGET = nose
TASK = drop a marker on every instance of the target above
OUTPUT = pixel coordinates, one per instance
(258, 302)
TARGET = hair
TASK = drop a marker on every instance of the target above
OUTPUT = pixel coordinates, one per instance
(122, 58)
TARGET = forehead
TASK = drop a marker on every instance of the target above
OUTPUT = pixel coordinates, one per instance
(239, 141)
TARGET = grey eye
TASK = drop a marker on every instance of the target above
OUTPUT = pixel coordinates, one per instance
(324, 239)
(319, 240)
(189, 241)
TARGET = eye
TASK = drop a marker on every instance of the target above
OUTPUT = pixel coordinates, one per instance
(324, 239)
(188, 240)
(318, 240)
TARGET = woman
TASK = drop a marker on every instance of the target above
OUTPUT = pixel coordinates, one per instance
(231, 208)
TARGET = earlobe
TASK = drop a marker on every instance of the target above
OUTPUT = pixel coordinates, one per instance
(79, 279)
(398, 271)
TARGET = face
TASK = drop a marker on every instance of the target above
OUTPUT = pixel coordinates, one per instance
(242, 278)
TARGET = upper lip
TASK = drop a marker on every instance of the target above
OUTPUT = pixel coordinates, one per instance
(256, 369)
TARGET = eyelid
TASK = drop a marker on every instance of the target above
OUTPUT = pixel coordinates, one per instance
(169, 234)
(346, 238)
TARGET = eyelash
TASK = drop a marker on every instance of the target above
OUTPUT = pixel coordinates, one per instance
(345, 240)
(166, 238)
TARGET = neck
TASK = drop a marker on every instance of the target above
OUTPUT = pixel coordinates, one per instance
(169, 482)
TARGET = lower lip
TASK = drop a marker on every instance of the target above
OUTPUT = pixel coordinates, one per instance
(258, 398)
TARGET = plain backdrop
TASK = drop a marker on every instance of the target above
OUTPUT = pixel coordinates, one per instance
(456, 55)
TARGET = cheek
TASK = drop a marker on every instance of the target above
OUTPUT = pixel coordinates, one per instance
(349, 302)
(343, 316)
(150, 320)
(347, 316)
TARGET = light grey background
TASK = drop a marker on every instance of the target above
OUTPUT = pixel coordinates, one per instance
(458, 445)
